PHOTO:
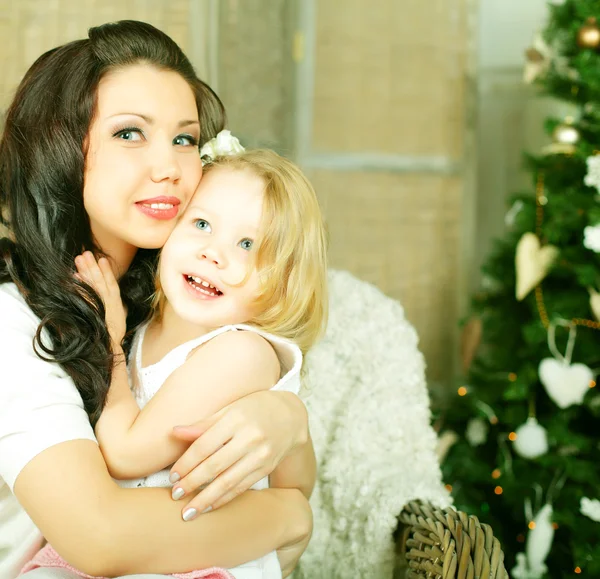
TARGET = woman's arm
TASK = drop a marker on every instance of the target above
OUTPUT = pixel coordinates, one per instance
(49, 457)
(263, 429)
(109, 531)
(136, 443)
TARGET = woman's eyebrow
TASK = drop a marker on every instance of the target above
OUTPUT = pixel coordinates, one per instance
(150, 120)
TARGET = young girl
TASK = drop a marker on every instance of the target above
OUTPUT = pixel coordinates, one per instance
(241, 295)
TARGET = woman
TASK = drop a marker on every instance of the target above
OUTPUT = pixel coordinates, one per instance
(99, 152)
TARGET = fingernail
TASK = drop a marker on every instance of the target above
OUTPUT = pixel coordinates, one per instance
(174, 477)
(207, 510)
(189, 514)
(177, 493)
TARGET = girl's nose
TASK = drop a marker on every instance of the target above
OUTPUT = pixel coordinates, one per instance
(212, 254)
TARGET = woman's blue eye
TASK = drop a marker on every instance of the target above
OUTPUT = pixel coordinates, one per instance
(185, 141)
(202, 224)
(246, 244)
(129, 134)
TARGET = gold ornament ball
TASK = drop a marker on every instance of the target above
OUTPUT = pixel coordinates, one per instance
(589, 34)
(566, 133)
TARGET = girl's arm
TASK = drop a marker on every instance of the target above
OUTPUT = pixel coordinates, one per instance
(137, 443)
(108, 531)
(297, 471)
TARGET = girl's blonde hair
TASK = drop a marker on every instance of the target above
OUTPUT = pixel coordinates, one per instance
(291, 256)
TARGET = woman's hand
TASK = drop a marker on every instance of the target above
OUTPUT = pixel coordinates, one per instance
(238, 446)
(100, 276)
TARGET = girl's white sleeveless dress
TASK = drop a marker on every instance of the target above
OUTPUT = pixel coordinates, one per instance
(151, 378)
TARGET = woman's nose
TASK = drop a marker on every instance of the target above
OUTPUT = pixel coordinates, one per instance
(165, 166)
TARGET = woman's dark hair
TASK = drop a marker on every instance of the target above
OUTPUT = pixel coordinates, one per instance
(42, 161)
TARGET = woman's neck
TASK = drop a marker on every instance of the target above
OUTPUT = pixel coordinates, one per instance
(120, 254)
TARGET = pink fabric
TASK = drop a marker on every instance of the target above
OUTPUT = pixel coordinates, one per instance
(48, 557)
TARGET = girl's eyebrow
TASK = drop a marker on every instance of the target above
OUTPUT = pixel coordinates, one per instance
(150, 120)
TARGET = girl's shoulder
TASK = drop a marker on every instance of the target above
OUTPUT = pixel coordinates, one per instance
(235, 346)
(289, 354)
(244, 342)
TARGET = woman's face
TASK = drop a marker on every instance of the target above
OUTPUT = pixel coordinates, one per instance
(142, 163)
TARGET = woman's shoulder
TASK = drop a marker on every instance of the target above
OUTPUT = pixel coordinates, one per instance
(19, 327)
(14, 311)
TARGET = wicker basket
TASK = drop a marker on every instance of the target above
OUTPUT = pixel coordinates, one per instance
(448, 544)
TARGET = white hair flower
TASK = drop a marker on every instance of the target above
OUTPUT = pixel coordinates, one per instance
(223, 144)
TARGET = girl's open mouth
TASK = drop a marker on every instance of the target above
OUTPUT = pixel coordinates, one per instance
(202, 286)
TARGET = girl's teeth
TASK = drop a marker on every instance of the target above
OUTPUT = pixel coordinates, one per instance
(202, 282)
(161, 206)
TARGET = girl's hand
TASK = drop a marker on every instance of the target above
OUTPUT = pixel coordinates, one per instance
(238, 446)
(100, 276)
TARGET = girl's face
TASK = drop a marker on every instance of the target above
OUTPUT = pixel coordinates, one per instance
(210, 251)
(142, 163)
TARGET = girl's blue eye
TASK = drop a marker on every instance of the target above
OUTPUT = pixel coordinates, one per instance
(246, 244)
(202, 224)
(185, 141)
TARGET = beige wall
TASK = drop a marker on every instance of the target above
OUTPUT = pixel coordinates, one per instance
(255, 70)
(389, 154)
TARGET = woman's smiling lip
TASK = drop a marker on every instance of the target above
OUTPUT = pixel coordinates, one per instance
(162, 207)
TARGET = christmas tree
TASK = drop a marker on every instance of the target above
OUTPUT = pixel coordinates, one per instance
(528, 412)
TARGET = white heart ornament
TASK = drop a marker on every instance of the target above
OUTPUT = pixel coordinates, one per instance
(532, 263)
(566, 384)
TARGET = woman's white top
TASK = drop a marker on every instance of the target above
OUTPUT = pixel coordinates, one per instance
(151, 378)
(39, 407)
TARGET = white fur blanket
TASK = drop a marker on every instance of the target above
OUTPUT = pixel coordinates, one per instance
(370, 421)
